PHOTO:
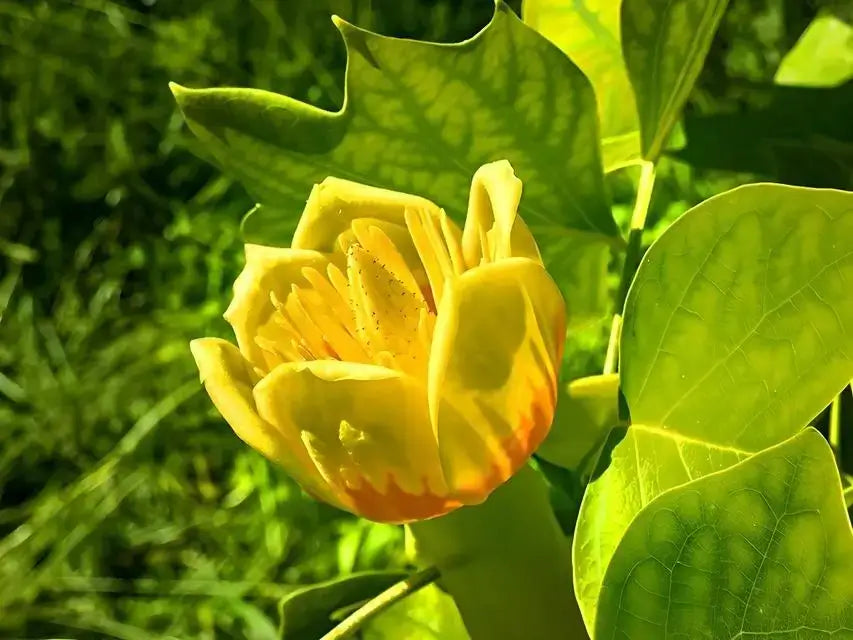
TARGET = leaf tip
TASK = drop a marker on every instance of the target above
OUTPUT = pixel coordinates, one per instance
(342, 25)
(178, 91)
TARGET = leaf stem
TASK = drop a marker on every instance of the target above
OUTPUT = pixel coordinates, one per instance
(633, 254)
(391, 595)
(835, 428)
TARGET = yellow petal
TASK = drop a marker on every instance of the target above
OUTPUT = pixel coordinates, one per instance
(493, 365)
(334, 204)
(367, 429)
(493, 229)
(229, 380)
(251, 312)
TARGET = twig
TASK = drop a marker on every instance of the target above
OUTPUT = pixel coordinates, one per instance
(391, 595)
(633, 254)
(835, 428)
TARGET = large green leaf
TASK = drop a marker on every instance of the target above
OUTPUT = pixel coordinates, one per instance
(762, 550)
(738, 330)
(665, 44)
(739, 323)
(428, 614)
(421, 117)
(588, 32)
(822, 57)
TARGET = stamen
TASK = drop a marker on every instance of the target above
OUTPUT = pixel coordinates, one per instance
(338, 305)
(380, 246)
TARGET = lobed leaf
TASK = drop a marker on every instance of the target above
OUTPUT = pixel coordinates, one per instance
(421, 117)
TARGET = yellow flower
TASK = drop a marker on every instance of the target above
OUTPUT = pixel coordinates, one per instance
(393, 365)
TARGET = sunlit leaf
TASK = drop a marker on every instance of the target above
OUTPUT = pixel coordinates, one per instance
(665, 44)
(822, 57)
(761, 550)
(421, 117)
(739, 322)
(588, 32)
(736, 333)
(428, 614)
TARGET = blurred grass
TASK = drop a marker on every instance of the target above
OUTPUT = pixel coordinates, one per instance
(128, 509)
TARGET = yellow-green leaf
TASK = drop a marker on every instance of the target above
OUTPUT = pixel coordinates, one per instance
(588, 32)
(738, 330)
(822, 57)
(421, 117)
(761, 550)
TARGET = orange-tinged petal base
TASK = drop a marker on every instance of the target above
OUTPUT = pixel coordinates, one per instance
(398, 506)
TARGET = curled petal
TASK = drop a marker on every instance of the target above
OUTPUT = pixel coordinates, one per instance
(493, 365)
(493, 229)
(229, 379)
(335, 204)
(268, 270)
(367, 429)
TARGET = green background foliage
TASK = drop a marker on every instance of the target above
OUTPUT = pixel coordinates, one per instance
(127, 508)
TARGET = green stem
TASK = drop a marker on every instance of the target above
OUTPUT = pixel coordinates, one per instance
(352, 623)
(506, 563)
(835, 428)
(633, 255)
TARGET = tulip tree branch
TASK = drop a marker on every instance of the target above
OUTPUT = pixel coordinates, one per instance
(633, 255)
(393, 594)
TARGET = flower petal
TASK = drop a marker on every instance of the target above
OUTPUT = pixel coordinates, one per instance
(268, 270)
(493, 365)
(228, 379)
(334, 204)
(493, 229)
(367, 429)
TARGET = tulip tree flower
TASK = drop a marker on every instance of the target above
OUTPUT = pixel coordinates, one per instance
(395, 366)
(405, 370)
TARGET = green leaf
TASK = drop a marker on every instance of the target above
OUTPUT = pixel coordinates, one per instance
(822, 57)
(579, 266)
(588, 32)
(737, 331)
(428, 614)
(739, 323)
(665, 45)
(647, 462)
(421, 117)
(763, 549)
(307, 613)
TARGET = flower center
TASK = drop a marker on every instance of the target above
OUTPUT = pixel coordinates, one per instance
(382, 310)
